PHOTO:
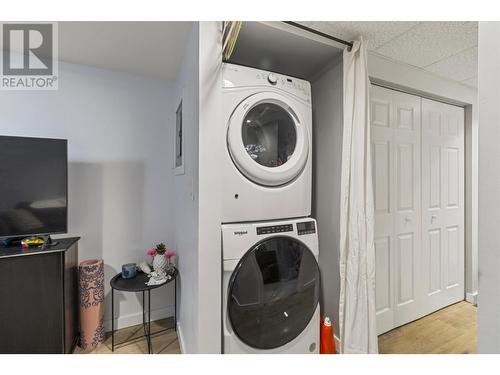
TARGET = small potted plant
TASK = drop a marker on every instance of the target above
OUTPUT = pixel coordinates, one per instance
(160, 261)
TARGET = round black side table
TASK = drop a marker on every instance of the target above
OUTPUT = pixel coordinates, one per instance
(138, 284)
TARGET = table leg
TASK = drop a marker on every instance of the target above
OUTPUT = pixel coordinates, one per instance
(175, 304)
(112, 320)
(143, 313)
(144, 325)
(149, 322)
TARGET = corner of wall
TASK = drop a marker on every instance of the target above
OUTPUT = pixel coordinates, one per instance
(210, 180)
(180, 338)
(488, 335)
(186, 205)
(327, 100)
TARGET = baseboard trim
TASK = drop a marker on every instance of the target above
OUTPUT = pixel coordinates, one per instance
(180, 338)
(136, 318)
(471, 298)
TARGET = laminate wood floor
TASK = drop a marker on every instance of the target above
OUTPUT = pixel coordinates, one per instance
(451, 330)
(163, 343)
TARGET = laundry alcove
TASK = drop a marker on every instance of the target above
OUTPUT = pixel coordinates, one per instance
(285, 49)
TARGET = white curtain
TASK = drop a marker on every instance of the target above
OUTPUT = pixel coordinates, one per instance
(357, 254)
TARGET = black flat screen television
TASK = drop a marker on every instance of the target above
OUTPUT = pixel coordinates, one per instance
(33, 186)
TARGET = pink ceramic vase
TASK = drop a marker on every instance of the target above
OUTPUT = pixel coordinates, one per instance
(91, 283)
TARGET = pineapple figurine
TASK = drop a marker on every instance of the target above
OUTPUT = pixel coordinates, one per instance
(160, 262)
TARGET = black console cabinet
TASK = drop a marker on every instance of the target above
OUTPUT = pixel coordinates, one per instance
(39, 298)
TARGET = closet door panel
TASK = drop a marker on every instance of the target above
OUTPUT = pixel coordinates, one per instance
(395, 127)
(383, 187)
(418, 167)
(381, 170)
(443, 204)
(383, 280)
(405, 270)
(407, 110)
(434, 260)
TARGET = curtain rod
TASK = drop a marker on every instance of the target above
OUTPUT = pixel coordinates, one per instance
(298, 25)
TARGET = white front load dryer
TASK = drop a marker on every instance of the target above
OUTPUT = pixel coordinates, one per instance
(271, 284)
(268, 162)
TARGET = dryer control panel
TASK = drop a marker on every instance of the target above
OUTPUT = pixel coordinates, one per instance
(243, 76)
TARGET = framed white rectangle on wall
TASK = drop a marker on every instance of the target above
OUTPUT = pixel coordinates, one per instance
(179, 142)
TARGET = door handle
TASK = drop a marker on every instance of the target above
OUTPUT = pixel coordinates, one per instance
(407, 219)
(433, 217)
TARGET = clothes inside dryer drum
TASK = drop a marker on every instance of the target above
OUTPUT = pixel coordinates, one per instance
(269, 135)
(273, 293)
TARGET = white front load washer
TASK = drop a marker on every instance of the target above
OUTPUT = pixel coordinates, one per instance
(270, 290)
(267, 165)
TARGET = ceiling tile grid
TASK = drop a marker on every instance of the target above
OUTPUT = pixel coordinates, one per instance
(377, 33)
(430, 42)
(459, 67)
(448, 49)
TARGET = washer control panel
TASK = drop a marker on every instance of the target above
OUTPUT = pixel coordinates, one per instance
(275, 229)
(306, 227)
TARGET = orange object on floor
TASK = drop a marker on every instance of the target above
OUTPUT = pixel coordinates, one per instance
(327, 342)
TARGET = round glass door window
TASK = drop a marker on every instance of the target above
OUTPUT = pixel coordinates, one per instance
(268, 138)
(273, 293)
(269, 134)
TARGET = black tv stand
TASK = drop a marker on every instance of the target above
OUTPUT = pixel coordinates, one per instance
(39, 294)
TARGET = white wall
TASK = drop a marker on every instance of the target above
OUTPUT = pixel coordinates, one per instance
(489, 188)
(417, 81)
(212, 145)
(197, 192)
(327, 95)
(185, 213)
(117, 126)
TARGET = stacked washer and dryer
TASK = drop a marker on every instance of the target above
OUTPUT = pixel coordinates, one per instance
(270, 250)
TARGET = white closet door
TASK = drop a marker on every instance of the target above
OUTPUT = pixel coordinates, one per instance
(419, 207)
(395, 125)
(442, 204)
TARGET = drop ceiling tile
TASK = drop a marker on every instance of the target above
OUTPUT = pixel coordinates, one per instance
(376, 33)
(471, 82)
(458, 67)
(429, 42)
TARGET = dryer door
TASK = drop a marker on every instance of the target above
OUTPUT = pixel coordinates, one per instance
(273, 292)
(267, 139)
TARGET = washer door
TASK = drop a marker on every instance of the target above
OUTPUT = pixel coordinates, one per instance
(273, 293)
(267, 140)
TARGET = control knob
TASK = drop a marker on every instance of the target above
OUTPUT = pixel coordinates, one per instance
(272, 78)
